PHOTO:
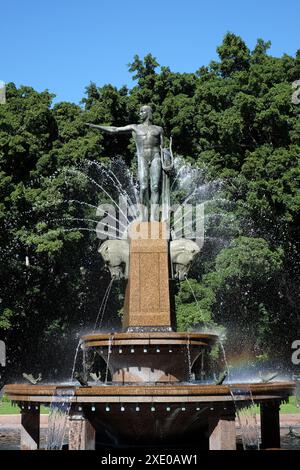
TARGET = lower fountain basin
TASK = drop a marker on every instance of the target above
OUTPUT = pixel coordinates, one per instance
(176, 414)
(113, 393)
(149, 356)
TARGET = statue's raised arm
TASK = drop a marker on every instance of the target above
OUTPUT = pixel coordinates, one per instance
(113, 129)
(153, 163)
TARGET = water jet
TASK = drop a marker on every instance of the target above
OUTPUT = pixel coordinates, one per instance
(148, 397)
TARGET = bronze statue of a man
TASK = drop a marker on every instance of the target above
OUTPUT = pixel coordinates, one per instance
(151, 157)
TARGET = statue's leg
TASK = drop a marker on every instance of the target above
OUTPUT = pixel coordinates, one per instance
(155, 178)
(144, 188)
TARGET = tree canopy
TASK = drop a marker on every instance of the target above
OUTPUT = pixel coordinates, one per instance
(234, 120)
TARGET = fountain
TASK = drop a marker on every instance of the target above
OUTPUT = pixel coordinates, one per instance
(148, 397)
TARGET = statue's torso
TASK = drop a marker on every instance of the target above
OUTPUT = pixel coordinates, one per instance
(148, 140)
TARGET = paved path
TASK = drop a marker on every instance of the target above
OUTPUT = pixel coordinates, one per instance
(13, 421)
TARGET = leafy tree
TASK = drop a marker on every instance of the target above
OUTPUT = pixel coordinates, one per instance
(234, 120)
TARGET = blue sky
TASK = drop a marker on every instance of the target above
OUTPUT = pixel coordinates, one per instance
(62, 45)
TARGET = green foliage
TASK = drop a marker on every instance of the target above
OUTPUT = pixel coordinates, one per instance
(234, 55)
(193, 305)
(7, 407)
(5, 316)
(234, 119)
(249, 258)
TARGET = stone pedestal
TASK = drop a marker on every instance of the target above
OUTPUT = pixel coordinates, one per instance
(30, 429)
(82, 434)
(147, 299)
(270, 425)
(222, 432)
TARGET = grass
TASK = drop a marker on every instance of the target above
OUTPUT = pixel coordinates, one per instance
(289, 407)
(7, 408)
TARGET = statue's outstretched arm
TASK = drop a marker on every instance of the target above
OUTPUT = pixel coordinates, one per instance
(112, 129)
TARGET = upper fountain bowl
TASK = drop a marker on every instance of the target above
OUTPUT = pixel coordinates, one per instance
(149, 356)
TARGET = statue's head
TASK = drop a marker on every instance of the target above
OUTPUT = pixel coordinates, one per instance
(145, 112)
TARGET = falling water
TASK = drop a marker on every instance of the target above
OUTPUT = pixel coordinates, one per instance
(110, 342)
(58, 417)
(96, 230)
(113, 178)
(194, 188)
(88, 230)
(78, 228)
(77, 219)
(103, 305)
(84, 362)
(101, 189)
(180, 231)
(194, 295)
(186, 175)
(136, 196)
(81, 203)
(243, 402)
(202, 371)
(225, 359)
(177, 178)
(74, 219)
(75, 359)
(296, 378)
(188, 346)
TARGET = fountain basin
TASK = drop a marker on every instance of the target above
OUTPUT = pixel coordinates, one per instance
(149, 356)
(160, 414)
(114, 393)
